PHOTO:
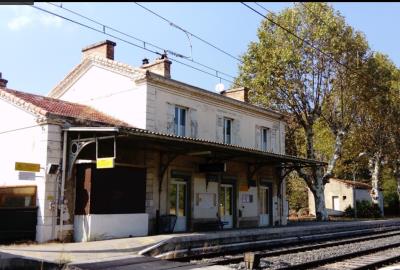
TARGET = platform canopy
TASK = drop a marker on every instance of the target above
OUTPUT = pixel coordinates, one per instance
(213, 150)
(177, 145)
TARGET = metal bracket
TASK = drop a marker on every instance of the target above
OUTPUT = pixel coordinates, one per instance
(77, 145)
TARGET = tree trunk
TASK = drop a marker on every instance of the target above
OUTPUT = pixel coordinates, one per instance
(335, 156)
(319, 196)
(314, 178)
(310, 142)
(375, 169)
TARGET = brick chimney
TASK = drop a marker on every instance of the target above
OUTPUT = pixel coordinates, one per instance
(161, 66)
(104, 49)
(3, 82)
(241, 93)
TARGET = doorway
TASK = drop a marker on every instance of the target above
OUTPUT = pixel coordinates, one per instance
(264, 206)
(335, 203)
(178, 203)
(226, 205)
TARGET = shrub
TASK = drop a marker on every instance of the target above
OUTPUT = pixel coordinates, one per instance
(366, 209)
(349, 211)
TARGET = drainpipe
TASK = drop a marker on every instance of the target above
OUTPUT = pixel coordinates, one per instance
(63, 176)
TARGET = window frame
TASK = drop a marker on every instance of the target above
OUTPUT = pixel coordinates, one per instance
(224, 130)
(178, 119)
(264, 144)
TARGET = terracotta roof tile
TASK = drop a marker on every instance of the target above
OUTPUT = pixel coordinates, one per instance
(50, 106)
(356, 184)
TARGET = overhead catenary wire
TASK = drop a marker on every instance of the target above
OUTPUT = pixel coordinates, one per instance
(189, 33)
(105, 27)
(102, 31)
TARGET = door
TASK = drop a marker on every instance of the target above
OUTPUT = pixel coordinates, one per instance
(226, 205)
(264, 206)
(178, 204)
(335, 203)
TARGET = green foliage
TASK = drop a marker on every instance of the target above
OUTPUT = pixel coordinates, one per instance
(297, 193)
(390, 195)
(349, 211)
(366, 209)
(324, 99)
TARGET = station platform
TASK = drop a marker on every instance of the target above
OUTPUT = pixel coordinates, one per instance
(180, 245)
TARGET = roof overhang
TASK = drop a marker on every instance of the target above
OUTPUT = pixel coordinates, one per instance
(215, 150)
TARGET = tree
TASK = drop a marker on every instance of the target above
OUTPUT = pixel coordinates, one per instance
(376, 122)
(289, 75)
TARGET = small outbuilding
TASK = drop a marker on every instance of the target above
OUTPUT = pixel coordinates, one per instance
(340, 193)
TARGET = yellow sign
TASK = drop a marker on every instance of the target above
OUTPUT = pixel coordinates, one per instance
(27, 167)
(105, 163)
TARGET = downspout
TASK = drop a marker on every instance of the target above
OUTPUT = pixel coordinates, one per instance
(63, 176)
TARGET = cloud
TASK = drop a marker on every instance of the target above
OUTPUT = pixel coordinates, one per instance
(19, 22)
(25, 17)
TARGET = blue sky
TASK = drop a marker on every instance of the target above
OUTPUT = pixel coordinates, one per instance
(37, 49)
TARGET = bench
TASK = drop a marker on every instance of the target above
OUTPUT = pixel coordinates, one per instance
(212, 225)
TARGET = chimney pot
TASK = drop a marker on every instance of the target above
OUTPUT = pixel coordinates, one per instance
(3, 82)
(104, 49)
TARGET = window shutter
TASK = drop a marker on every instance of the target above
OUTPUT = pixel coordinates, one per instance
(257, 144)
(273, 141)
(236, 132)
(171, 119)
(219, 129)
(193, 123)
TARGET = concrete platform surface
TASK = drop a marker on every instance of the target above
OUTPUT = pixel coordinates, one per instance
(118, 249)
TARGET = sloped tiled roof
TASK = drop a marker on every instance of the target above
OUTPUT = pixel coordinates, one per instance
(45, 106)
(356, 184)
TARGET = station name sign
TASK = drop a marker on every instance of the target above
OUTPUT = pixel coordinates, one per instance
(212, 167)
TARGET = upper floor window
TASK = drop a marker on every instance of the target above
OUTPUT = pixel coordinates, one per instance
(227, 130)
(264, 139)
(180, 121)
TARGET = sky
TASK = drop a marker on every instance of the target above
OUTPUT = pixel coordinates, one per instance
(38, 49)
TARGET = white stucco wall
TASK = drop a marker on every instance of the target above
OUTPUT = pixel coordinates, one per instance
(110, 92)
(102, 227)
(345, 194)
(23, 140)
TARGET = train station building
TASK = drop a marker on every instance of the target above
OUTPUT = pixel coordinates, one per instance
(124, 151)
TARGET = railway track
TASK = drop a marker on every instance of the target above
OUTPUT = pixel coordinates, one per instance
(325, 255)
(360, 260)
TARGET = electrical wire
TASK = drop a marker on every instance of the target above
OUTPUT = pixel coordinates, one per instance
(189, 33)
(18, 129)
(217, 72)
(105, 27)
